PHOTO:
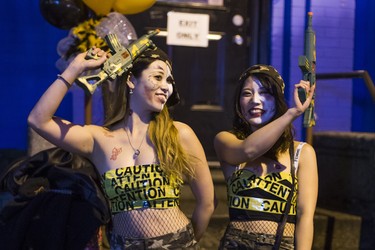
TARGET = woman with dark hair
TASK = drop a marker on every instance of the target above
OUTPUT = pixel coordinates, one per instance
(142, 154)
(262, 164)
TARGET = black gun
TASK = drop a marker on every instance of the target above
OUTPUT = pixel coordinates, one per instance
(307, 63)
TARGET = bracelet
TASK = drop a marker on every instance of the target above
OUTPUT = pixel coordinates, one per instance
(68, 85)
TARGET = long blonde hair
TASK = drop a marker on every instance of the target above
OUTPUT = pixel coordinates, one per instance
(172, 157)
(164, 135)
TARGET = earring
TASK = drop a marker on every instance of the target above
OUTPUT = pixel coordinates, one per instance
(130, 91)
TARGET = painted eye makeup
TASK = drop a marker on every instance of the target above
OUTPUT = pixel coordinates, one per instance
(170, 80)
(158, 77)
(153, 80)
(264, 92)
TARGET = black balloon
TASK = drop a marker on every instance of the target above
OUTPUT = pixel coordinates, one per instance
(64, 14)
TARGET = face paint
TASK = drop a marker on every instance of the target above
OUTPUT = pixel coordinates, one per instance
(158, 54)
(152, 82)
(154, 86)
(257, 103)
(160, 77)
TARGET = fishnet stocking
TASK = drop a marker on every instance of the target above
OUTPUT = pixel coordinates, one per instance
(262, 226)
(147, 223)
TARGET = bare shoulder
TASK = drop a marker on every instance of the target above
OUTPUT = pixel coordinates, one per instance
(187, 136)
(307, 149)
(99, 131)
(95, 128)
(225, 140)
(308, 155)
(184, 130)
(189, 140)
(224, 135)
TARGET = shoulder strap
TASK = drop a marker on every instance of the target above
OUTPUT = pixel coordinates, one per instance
(281, 226)
(297, 155)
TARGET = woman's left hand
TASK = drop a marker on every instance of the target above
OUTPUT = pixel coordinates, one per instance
(301, 107)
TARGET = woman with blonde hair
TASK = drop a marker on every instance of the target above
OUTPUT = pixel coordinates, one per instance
(142, 154)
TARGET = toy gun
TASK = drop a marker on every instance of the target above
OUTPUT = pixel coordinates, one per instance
(307, 63)
(120, 62)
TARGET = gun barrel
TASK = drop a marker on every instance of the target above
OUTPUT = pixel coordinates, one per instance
(307, 63)
(152, 33)
(310, 40)
(309, 20)
(139, 46)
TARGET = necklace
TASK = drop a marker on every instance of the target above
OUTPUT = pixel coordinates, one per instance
(137, 152)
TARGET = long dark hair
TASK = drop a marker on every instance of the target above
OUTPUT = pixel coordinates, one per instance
(241, 127)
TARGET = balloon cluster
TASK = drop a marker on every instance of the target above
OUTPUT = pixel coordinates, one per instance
(89, 22)
(65, 14)
(91, 33)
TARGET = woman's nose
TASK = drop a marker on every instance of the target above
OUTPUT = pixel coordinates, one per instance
(256, 97)
(164, 87)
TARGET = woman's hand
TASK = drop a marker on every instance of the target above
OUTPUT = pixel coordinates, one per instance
(92, 59)
(301, 107)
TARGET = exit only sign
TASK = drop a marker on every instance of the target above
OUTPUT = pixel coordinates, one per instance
(187, 29)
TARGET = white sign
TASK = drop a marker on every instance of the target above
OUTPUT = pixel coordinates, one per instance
(188, 29)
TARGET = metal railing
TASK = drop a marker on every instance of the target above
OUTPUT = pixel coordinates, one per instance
(355, 74)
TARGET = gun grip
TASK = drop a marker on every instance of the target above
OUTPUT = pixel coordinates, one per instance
(90, 83)
(302, 95)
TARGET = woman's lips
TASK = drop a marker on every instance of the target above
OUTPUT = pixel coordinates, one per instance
(256, 112)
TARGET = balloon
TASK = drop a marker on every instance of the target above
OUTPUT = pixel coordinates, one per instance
(113, 23)
(100, 7)
(132, 6)
(63, 14)
(116, 23)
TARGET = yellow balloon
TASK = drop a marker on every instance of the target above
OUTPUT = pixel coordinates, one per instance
(100, 7)
(132, 6)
